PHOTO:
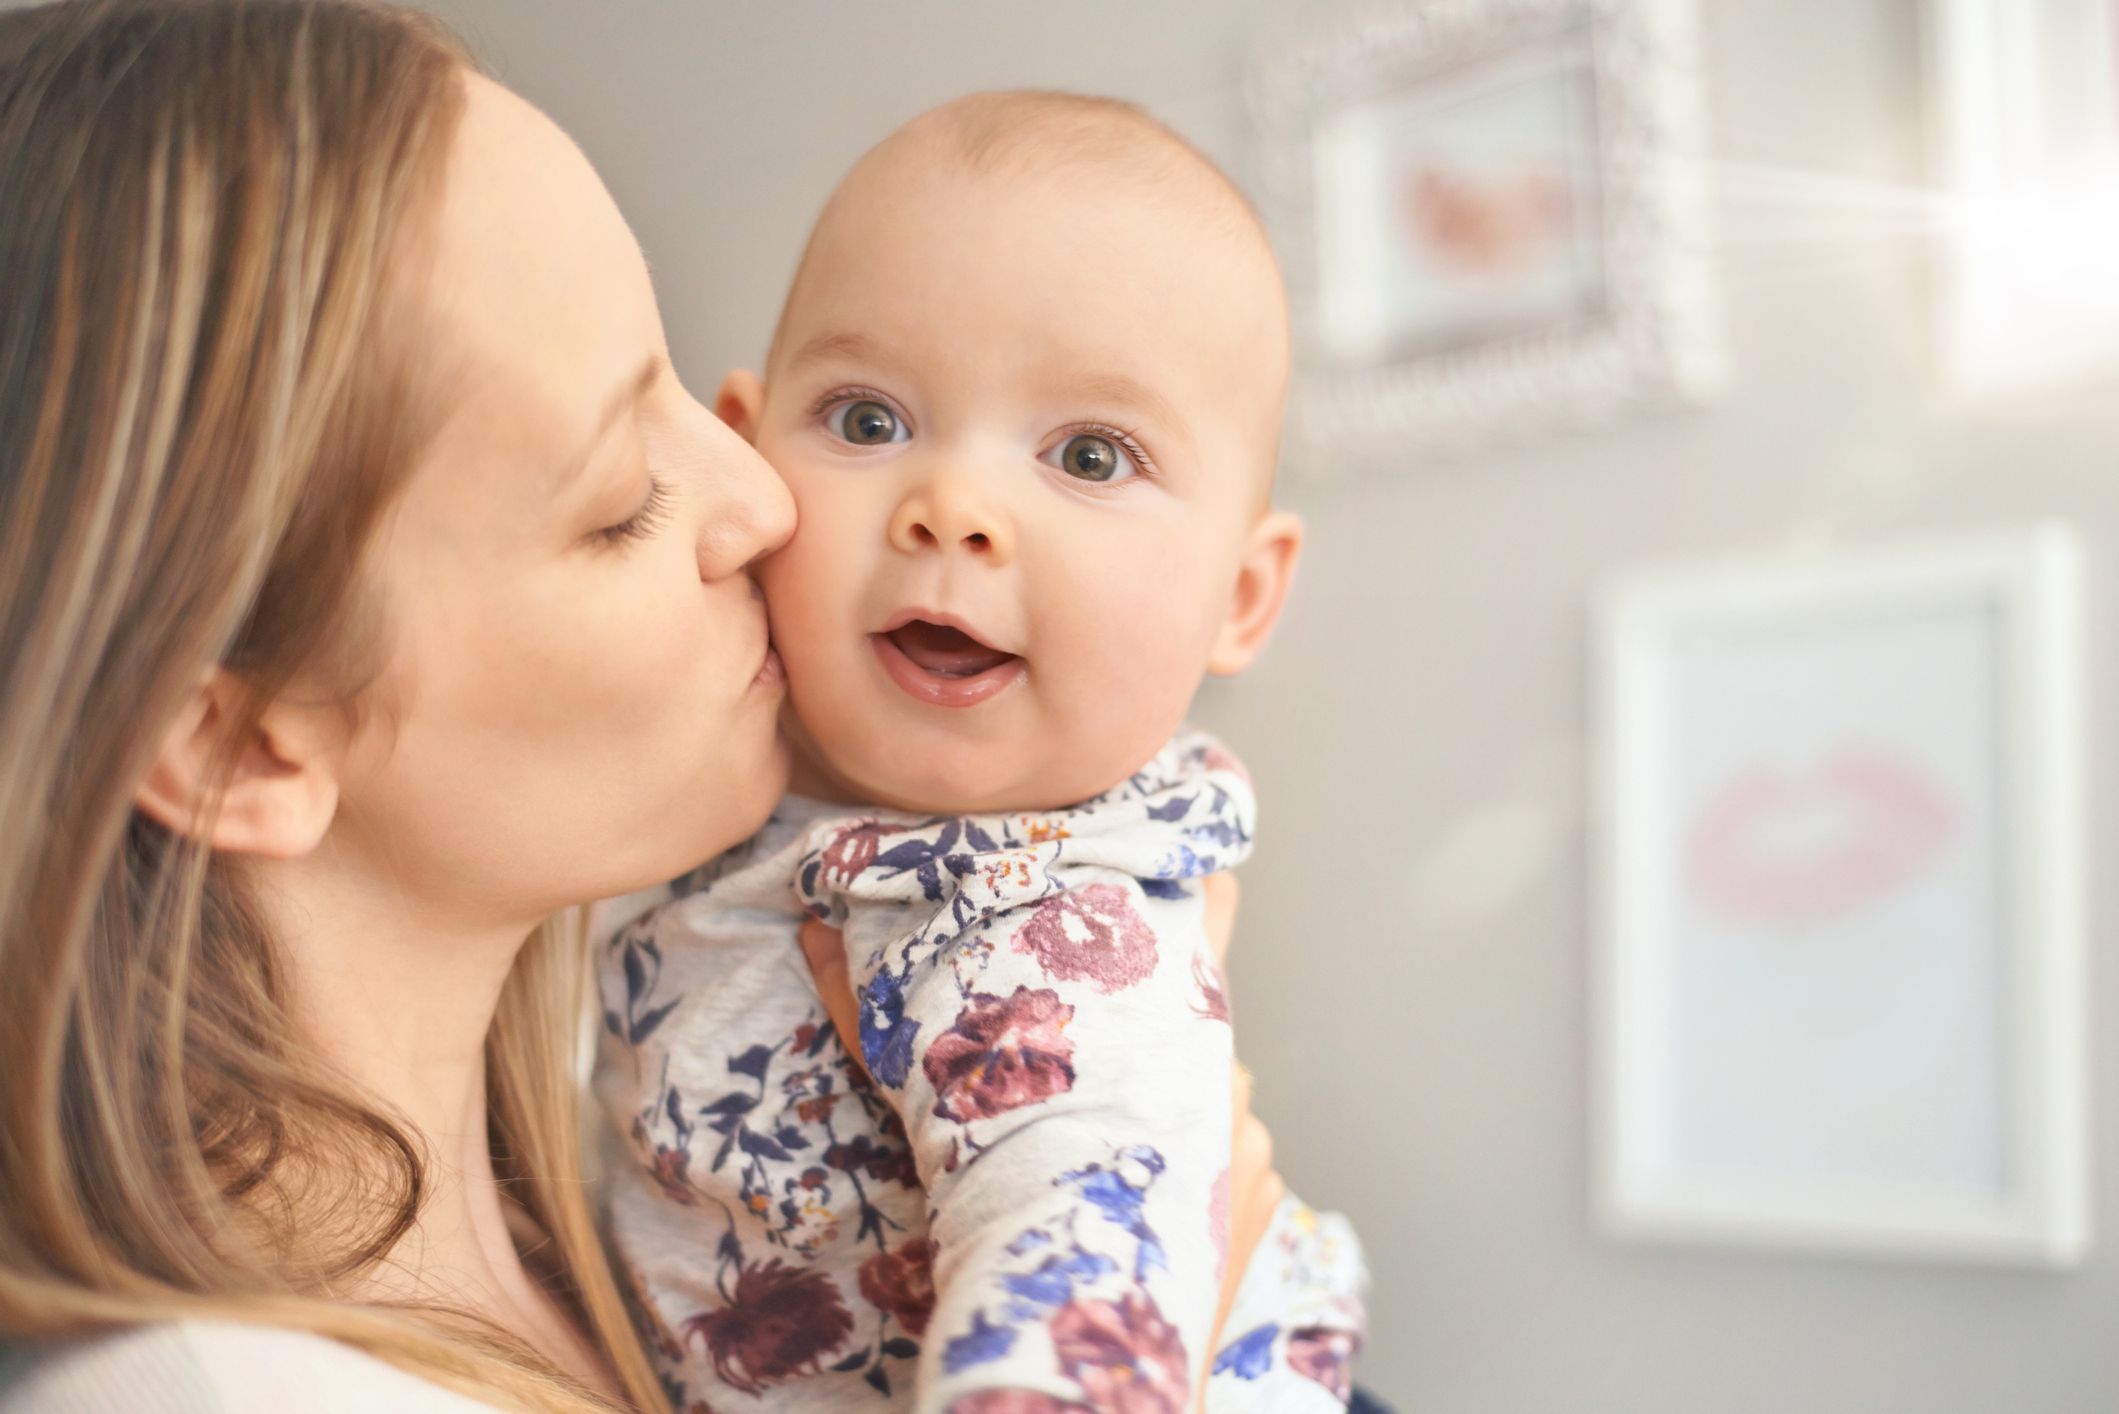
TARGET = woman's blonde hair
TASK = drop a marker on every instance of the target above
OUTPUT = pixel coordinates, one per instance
(206, 405)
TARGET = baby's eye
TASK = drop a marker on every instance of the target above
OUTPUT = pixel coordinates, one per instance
(1088, 456)
(865, 423)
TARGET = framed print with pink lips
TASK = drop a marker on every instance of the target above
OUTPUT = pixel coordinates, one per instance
(1840, 1003)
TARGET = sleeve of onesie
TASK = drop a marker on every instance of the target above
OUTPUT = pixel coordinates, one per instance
(1039, 1000)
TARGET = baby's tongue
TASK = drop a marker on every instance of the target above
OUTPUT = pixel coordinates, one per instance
(946, 652)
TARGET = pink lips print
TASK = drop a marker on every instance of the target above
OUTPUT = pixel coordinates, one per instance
(1780, 849)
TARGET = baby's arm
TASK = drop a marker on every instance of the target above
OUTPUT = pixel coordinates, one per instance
(1063, 1071)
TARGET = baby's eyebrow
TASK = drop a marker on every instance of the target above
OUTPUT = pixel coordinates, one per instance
(849, 345)
(1130, 391)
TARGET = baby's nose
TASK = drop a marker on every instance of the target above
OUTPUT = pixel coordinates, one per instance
(931, 522)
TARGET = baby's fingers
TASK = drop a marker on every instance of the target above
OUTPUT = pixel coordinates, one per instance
(825, 953)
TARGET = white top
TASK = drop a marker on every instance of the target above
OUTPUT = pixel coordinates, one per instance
(200, 1367)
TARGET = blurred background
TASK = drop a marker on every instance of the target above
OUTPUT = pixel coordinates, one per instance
(1411, 972)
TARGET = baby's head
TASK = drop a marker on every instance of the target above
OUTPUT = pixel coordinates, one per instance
(1027, 392)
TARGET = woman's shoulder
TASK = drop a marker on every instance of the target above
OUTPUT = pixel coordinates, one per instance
(202, 1367)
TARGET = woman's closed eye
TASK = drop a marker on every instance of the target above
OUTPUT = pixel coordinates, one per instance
(1098, 455)
(653, 512)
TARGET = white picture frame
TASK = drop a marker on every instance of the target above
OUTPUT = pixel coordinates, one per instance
(1839, 1002)
(2024, 114)
(1492, 218)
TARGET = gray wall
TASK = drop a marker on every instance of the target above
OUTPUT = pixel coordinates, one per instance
(1410, 961)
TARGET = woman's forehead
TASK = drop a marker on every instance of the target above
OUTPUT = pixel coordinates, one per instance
(536, 284)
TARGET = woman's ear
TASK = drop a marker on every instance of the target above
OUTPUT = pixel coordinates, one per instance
(739, 403)
(1262, 580)
(282, 793)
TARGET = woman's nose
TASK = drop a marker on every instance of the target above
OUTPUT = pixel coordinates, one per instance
(749, 514)
(943, 515)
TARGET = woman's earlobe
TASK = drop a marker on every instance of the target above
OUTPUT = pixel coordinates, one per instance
(281, 787)
(1262, 582)
(739, 403)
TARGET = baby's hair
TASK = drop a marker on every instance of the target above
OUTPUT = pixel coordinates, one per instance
(1026, 131)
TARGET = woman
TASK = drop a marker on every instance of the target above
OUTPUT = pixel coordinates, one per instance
(339, 612)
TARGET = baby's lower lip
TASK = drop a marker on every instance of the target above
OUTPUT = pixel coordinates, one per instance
(937, 689)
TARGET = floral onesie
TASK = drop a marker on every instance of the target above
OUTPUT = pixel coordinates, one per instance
(1044, 1229)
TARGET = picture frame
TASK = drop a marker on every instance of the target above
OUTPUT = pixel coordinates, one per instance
(1492, 217)
(2024, 112)
(1838, 970)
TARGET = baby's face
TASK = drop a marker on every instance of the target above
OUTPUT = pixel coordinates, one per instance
(1028, 421)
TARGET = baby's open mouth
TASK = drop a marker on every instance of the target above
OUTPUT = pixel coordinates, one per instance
(944, 651)
(943, 666)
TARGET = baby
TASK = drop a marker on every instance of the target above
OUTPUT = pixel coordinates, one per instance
(1026, 390)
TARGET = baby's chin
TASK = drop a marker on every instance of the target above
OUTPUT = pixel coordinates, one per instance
(947, 775)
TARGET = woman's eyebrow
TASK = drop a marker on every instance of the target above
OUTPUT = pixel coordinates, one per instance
(623, 399)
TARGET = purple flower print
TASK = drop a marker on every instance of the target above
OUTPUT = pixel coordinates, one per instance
(1126, 1357)
(781, 1322)
(851, 850)
(1002, 1053)
(1326, 1356)
(670, 1171)
(880, 1162)
(1090, 934)
(1212, 1002)
(902, 1283)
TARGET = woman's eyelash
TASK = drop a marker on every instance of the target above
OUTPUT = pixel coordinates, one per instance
(645, 521)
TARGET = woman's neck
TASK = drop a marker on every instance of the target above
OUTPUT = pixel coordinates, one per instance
(401, 1005)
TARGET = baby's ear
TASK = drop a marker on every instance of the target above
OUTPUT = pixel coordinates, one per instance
(1262, 580)
(739, 403)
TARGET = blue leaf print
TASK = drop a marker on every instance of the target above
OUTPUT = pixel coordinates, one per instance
(752, 1062)
(637, 980)
(753, 1142)
(1174, 810)
(886, 1036)
(978, 839)
(731, 1104)
(1162, 888)
(1029, 1242)
(1222, 832)
(1052, 1284)
(898, 1347)
(644, 1026)
(852, 1362)
(985, 1342)
(1249, 1355)
(904, 856)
